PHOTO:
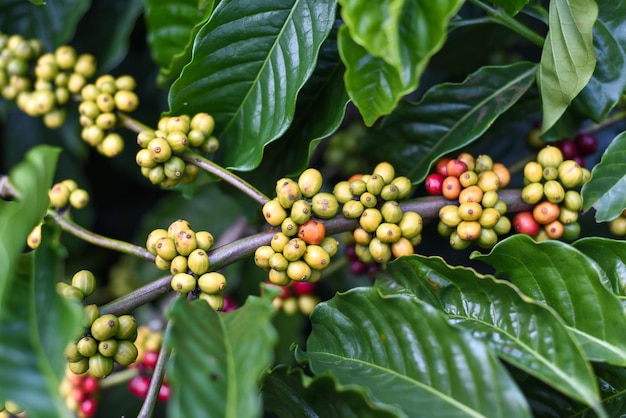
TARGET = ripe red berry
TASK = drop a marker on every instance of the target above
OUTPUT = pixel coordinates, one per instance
(358, 267)
(303, 288)
(350, 252)
(90, 384)
(88, 407)
(568, 148)
(586, 144)
(456, 168)
(525, 223)
(78, 394)
(229, 304)
(441, 166)
(139, 385)
(164, 392)
(579, 160)
(150, 358)
(434, 183)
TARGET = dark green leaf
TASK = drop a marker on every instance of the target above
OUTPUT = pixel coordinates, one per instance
(450, 116)
(172, 26)
(35, 322)
(606, 190)
(411, 31)
(38, 2)
(219, 357)
(292, 394)
(407, 356)
(524, 333)
(568, 58)
(511, 6)
(250, 60)
(561, 277)
(54, 24)
(610, 255)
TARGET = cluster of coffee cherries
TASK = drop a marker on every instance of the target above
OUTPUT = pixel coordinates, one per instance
(107, 339)
(183, 252)
(582, 145)
(297, 297)
(42, 84)
(148, 343)
(10, 409)
(300, 250)
(158, 157)
(385, 230)
(81, 393)
(99, 109)
(477, 214)
(552, 185)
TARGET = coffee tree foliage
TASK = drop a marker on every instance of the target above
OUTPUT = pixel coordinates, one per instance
(525, 328)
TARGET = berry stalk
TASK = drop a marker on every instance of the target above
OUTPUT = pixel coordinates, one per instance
(157, 376)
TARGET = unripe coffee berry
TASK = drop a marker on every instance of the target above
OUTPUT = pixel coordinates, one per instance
(274, 213)
(87, 346)
(153, 238)
(126, 353)
(503, 226)
(312, 231)
(294, 249)
(370, 219)
(79, 198)
(368, 200)
(100, 366)
(388, 232)
(573, 200)
(108, 348)
(198, 261)
(489, 218)
(127, 327)
(380, 251)
(212, 282)
(361, 236)
(71, 353)
(183, 283)
(389, 192)
(546, 212)
(316, 257)
(375, 184)
(470, 211)
(279, 240)
(352, 209)
(385, 170)
(457, 243)
(278, 262)
(85, 281)
(289, 227)
(532, 193)
(160, 150)
(185, 242)
(404, 186)
(553, 191)
(471, 194)
(299, 271)
(166, 248)
(468, 178)
(80, 366)
(487, 239)
(91, 313)
(468, 230)
(451, 187)
(483, 163)
(279, 277)
(570, 173)
(488, 181)
(567, 216)
(411, 224)
(59, 195)
(550, 156)
(301, 211)
(325, 205)
(391, 211)
(287, 192)
(330, 245)
(310, 182)
(449, 215)
(262, 256)
(105, 327)
(342, 192)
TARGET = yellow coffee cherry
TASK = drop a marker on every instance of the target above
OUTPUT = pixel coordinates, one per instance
(370, 219)
(325, 205)
(185, 242)
(411, 224)
(386, 171)
(294, 249)
(183, 282)
(279, 278)
(299, 270)
(470, 211)
(198, 261)
(212, 282)
(274, 213)
(388, 232)
(215, 301)
(316, 257)
(402, 247)
(153, 238)
(310, 182)
(262, 256)
(380, 251)
(59, 195)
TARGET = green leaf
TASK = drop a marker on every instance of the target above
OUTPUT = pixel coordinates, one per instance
(293, 394)
(219, 357)
(54, 24)
(522, 332)
(511, 6)
(606, 190)
(320, 109)
(561, 277)
(376, 83)
(172, 27)
(609, 255)
(568, 58)
(249, 62)
(35, 322)
(449, 116)
(608, 81)
(38, 2)
(405, 354)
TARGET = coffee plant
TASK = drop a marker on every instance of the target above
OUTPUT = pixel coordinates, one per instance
(288, 208)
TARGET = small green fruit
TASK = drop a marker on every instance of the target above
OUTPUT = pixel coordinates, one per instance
(274, 213)
(91, 314)
(215, 301)
(183, 282)
(370, 219)
(553, 191)
(411, 224)
(80, 366)
(262, 256)
(299, 271)
(198, 261)
(85, 281)
(204, 240)
(108, 348)
(294, 249)
(301, 211)
(550, 156)
(72, 354)
(105, 327)
(100, 366)
(87, 346)
(166, 248)
(310, 182)
(212, 282)
(325, 205)
(287, 192)
(532, 193)
(126, 353)
(391, 211)
(127, 327)
(352, 209)
(316, 257)
(380, 251)
(388, 233)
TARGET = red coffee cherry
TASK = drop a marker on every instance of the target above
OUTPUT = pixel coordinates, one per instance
(139, 385)
(525, 223)
(586, 144)
(434, 183)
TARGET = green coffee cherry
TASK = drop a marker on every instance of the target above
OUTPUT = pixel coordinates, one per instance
(278, 262)
(71, 353)
(571, 231)
(391, 211)
(380, 251)
(487, 238)
(177, 140)
(363, 253)
(161, 263)
(108, 348)
(330, 245)
(358, 187)
(279, 278)
(301, 211)
(153, 238)
(503, 226)
(204, 240)
(470, 211)
(91, 314)
(468, 230)
(457, 243)
(212, 282)
(294, 249)
(316, 257)
(573, 200)
(388, 232)
(389, 192)
(550, 173)
(289, 227)
(143, 158)
(411, 224)
(195, 138)
(183, 282)
(198, 261)
(127, 327)
(262, 256)
(100, 366)
(353, 209)
(174, 168)
(160, 150)
(178, 265)
(105, 327)
(80, 366)
(79, 198)
(449, 215)
(342, 192)
(570, 173)
(299, 271)
(59, 195)
(532, 193)
(126, 353)
(215, 301)
(325, 205)
(483, 163)
(124, 82)
(279, 240)
(310, 182)
(87, 346)
(489, 218)
(370, 219)
(112, 145)
(203, 122)
(549, 156)
(553, 191)
(274, 213)
(85, 281)
(368, 200)
(404, 186)
(386, 171)
(287, 192)
(361, 236)
(166, 248)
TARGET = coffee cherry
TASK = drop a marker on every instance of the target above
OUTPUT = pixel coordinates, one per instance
(546, 212)
(489, 217)
(411, 224)
(342, 192)
(503, 226)
(449, 215)
(139, 386)
(586, 144)
(316, 257)
(368, 200)
(441, 166)
(79, 198)
(198, 261)
(287, 192)
(161, 263)
(160, 150)
(88, 407)
(404, 186)
(34, 237)
(468, 230)
(312, 231)
(470, 211)
(85, 281)
(573, 201)
(554, 229)
(153, 238)
(127, 327)
(185, 242)
(488, 181)
(391, 211)
(80, 366)
(553, 191)
(59, 195)
(434, 184)
(310, 182)
(330, 245)
(183, 282)
(108, 348)
(568, 149)
(503, 174)
(532, 193)
(112, 145)
(570, 173)
(402, 247)
(550, 156)
(468, 178)
(457, 243)
(380, 251)
(471, 194)
(166, 248)
(388, 232)
(456, 167)
(212, 282)
(91, 313)
(567, 216)
(325, 205)
(204, 240)
(105, 327)
(278, 262)
(386, 171)
(87, 346)
(299, 271)
(178, 264)
(262, 256)
(164, 392)
(483, 163)
(389, 192)
(353, 209)
(279, 277)
(525, 223)
(294, 249)
(450, 188)
(279, 240)
(370, 219)
(487, 238)
(274, 212)
(150, 358)
(126, 353)
(375, 184)
(71, 353)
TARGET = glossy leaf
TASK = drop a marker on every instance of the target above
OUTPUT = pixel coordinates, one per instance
(511, 6)
(219, 357)
(54, 24)
(250, 60)
(606, 190)
(561, 277)
(609, 254)
(608, 81)
(35, 322)
(172, 27)
(293, 394)
(405, 354)
(449, 117)
(376, 85)
(568, 58)
(320, 109)
(522, 332)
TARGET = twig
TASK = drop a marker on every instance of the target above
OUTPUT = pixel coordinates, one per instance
(499, 16)
(157, 377)
(131, 124)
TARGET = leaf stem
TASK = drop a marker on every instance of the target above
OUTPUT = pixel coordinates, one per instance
(117, 378)
(427, 207)
(7, 191)
(225, 175)
(614, 118)
(131, 123)
(500, 16)
(68, 225)
(157, 376)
